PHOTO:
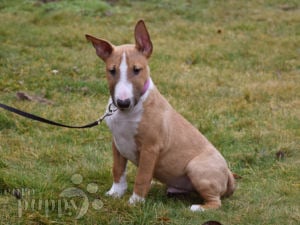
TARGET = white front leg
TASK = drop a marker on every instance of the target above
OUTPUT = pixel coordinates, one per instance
(136, 199)
(117, 190)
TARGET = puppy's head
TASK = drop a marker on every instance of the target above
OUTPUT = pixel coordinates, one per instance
(127, 68)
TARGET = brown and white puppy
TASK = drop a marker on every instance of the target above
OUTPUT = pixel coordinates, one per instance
(151, 134)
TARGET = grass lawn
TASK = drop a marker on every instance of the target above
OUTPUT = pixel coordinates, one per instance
(232, 68)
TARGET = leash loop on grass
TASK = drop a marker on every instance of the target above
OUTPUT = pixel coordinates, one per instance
(111, 109)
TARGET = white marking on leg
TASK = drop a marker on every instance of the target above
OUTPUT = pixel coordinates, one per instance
(136, 199)
(124, 89)
(197, 208)
(118, 189)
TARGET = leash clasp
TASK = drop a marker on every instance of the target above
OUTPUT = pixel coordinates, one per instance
(110, 110)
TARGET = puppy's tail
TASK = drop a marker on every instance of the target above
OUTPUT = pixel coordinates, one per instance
(231, 185)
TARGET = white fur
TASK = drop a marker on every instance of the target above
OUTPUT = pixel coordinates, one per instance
(197, 208)
(123, 89)
(124, 124)
(118, 189)
(135, 199)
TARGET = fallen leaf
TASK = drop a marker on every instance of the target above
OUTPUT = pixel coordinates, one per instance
(26, 97)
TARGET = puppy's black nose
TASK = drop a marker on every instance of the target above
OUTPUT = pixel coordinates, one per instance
(123, 104)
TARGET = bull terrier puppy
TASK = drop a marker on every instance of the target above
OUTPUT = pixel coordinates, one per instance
(148, 132)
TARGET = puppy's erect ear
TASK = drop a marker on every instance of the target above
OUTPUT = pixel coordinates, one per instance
(103, 48)
(142, 39)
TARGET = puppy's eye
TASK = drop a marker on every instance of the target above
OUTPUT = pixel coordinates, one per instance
(136, 70)
(112, 71)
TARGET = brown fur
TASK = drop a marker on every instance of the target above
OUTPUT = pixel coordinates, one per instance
(183, 153)
(169, 148)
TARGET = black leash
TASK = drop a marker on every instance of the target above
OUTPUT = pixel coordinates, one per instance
(111, 109)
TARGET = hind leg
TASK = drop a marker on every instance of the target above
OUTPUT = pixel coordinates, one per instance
(209, 193)
(211, 201)
(209, 182)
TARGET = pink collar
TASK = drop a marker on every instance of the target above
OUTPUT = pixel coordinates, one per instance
(146, 86)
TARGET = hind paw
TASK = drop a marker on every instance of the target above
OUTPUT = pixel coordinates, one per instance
(197, 208)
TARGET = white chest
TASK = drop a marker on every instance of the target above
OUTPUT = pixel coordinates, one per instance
(123, 126)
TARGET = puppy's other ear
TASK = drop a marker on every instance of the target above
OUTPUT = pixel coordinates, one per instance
(103, 48)
(142, 39)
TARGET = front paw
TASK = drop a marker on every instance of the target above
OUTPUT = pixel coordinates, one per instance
(136, 199)
(117, 190)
